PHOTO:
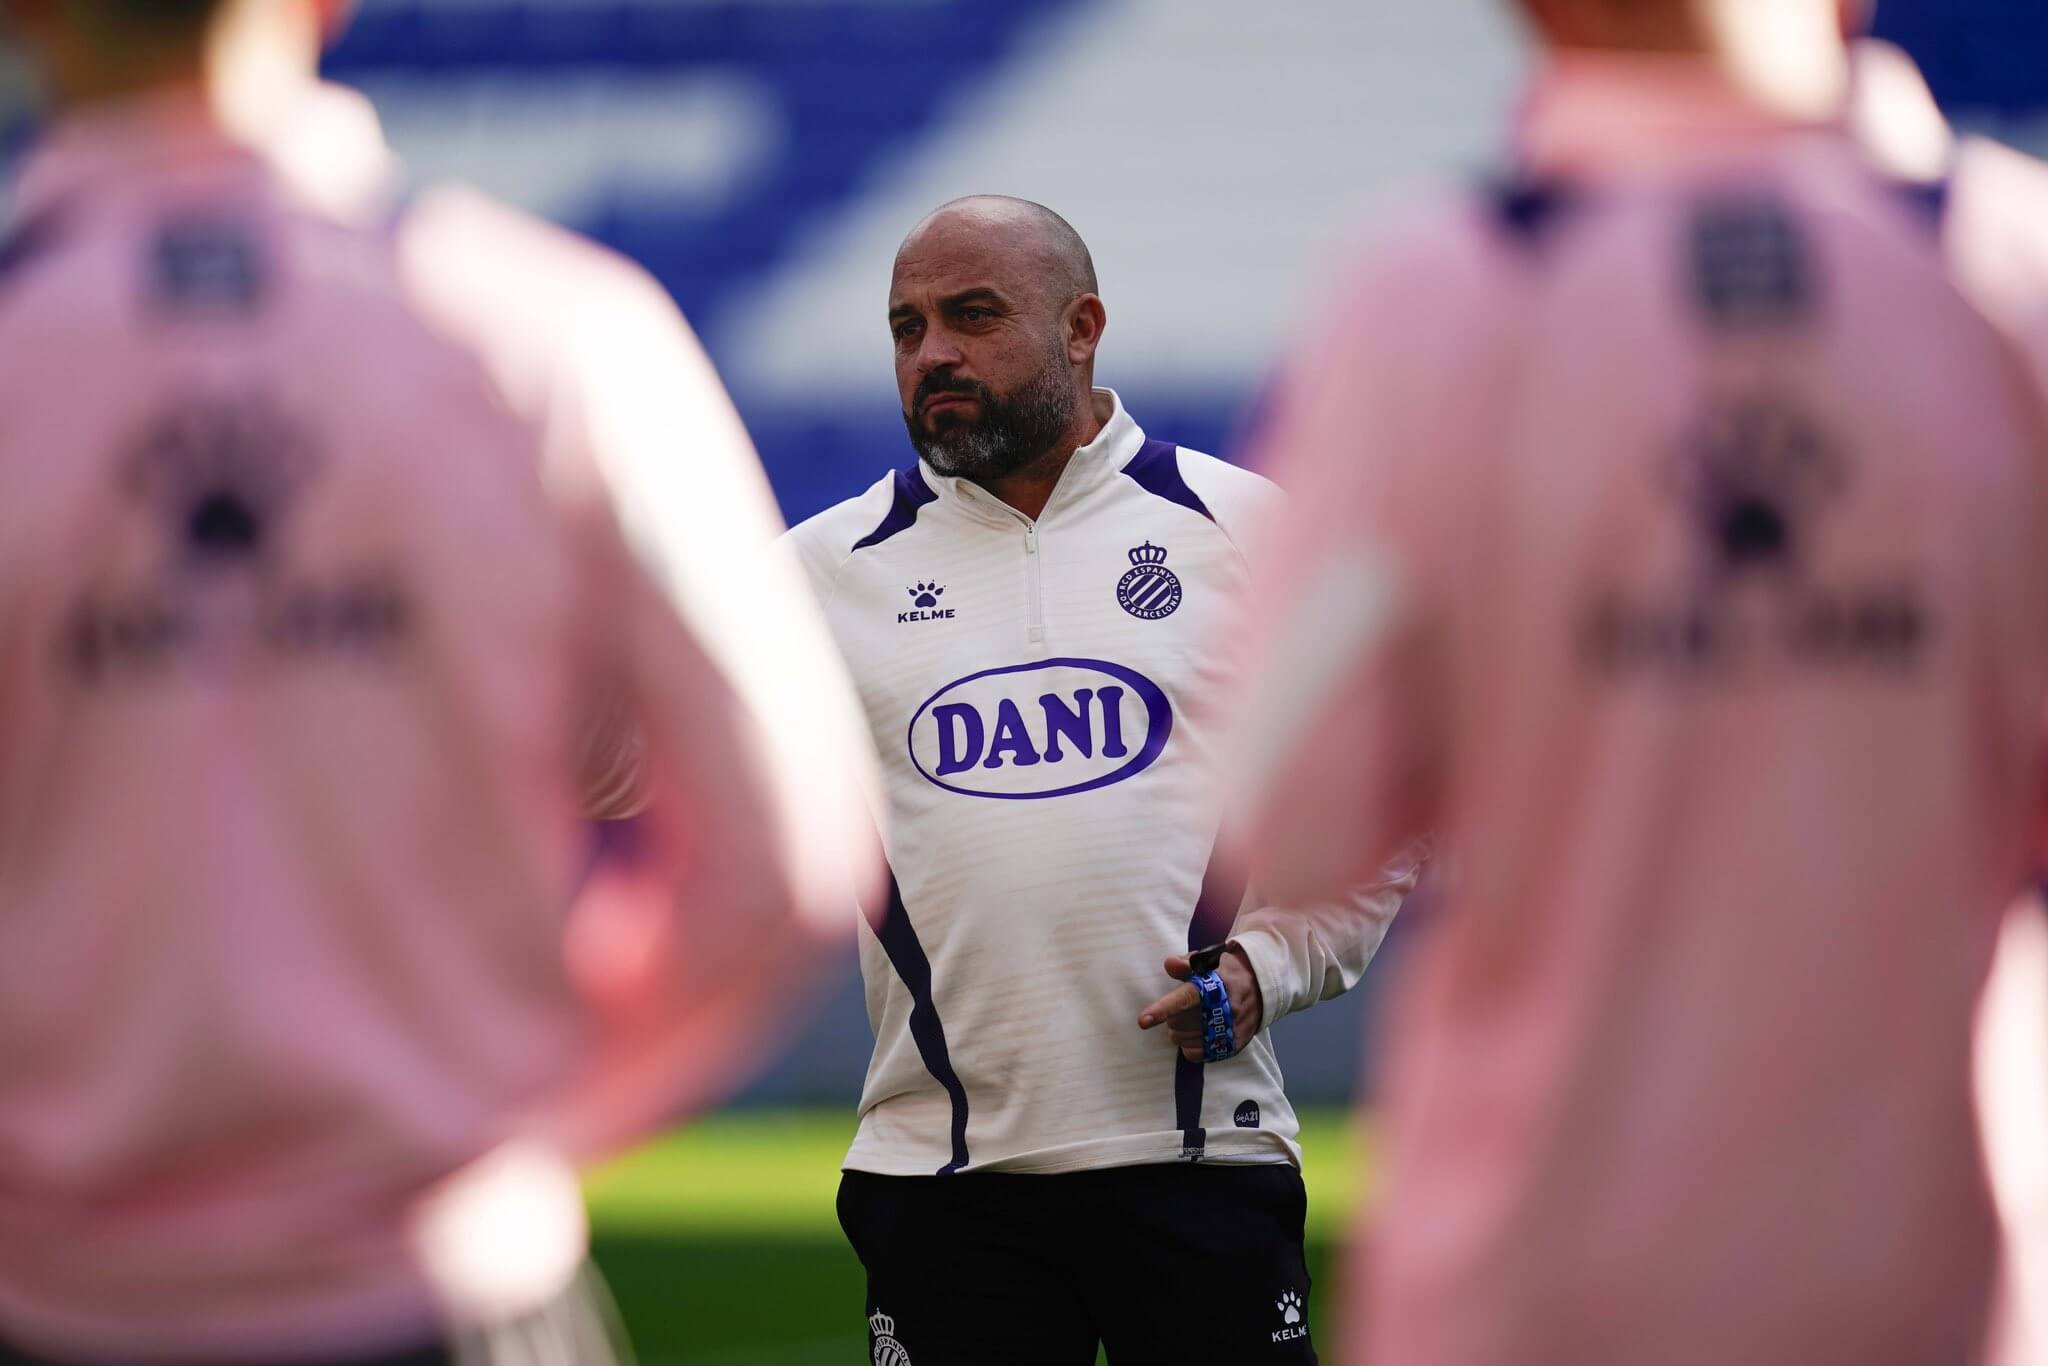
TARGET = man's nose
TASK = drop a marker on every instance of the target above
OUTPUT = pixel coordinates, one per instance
(936, 351)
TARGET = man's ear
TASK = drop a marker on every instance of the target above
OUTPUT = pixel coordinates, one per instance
(1085, 322)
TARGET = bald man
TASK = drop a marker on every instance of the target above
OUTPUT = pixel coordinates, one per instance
(1058, 1147)
(1673, 542)
(320, 630)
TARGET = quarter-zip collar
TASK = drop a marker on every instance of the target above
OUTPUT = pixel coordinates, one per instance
(1092, 468)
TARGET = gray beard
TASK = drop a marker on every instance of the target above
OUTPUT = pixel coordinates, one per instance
(1011, 433)
(976, 452)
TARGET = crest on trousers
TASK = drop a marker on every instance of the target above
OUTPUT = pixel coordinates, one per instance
(1151, 590)
(888, 1351)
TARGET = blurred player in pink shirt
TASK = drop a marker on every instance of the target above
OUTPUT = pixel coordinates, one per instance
(1671, 539)
(319, 637)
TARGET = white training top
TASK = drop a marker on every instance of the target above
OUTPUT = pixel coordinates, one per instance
(1037, 694)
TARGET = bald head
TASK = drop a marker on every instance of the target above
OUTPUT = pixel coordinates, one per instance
(1020, 229)
(994, 312)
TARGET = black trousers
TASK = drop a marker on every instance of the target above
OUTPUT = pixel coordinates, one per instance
(1183, 1265)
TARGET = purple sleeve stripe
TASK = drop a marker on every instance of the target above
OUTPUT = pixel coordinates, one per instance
(907, 956)
(1156, 469)
(912, 493)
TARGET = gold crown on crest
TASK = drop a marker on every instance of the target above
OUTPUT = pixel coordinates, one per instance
(1149, 553)
(884, 1326)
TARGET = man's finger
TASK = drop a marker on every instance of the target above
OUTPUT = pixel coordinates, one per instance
(1169, 1005)
(1179, 968)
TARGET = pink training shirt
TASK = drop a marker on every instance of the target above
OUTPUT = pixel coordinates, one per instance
(1670, 537)
(314, 603)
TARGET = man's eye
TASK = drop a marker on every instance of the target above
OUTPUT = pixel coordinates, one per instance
(903, 330)
(975, 315)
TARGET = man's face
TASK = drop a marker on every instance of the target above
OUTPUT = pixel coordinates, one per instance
(981, 359)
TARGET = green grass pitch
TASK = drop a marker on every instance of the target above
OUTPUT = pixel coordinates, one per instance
(721, 1244)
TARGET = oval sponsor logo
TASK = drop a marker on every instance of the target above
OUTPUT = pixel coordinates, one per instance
(1047, 729)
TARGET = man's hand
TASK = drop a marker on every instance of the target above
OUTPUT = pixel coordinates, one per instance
(1177, 1009)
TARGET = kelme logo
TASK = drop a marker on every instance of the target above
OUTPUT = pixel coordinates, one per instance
(1052, 728)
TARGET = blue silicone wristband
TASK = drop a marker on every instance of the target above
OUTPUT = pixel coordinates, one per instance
(1219, 1019)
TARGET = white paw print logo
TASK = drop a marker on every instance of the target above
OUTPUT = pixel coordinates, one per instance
(1290, 1308)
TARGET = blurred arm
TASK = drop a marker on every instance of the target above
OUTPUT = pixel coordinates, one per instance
(1307, 956)
(737, 737)
(1340, 740)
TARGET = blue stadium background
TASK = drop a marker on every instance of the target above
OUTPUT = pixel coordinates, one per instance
(762, 158)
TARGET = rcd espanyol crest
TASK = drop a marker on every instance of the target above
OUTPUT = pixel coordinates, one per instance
(1151, 590)
(888, 1351)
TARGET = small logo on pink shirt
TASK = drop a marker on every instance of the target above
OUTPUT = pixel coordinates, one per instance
(220, 476)
(1753, 477)
(207, 267)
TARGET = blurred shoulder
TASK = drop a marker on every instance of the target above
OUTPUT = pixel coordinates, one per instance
(1390, 359)
(1446, 236)
(1997, 201)
(1997, 253)
(552, 313)
(1408, 294)
(589, 344)
(458, 234)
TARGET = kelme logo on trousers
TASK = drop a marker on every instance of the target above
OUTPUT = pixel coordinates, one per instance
(1292, 1329)
(1052, 728)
